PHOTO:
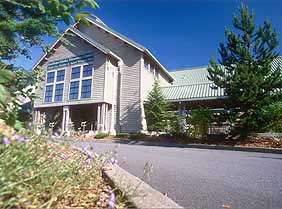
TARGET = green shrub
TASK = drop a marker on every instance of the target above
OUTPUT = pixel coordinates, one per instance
(122, 135)
(199, 120)
(101, 135)
(272, 116)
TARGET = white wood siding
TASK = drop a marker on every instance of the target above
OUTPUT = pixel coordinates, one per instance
(130, 113)
(65, 51)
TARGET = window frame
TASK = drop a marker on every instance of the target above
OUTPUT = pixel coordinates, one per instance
(54, 77)
(81, 79)
(45, 91)
(62, 94)
(77, 67)
(88, 91)
(73, 81)
(92, 69)
(54, 83)
(64, 75)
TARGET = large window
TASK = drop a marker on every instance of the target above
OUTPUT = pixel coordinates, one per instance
(50, 77)
(87, 70)
(60, 75)
(59, 92)
(86, 89)
(75, 73)
(74, 89)
(48, 93)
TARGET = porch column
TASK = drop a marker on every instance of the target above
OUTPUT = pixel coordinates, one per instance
(112, 125)
(103, 109)
(143, 119)
(99, 118)
(106, 118)
(65, 122)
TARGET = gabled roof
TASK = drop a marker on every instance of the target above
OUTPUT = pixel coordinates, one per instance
(96, 21)
(84, 37)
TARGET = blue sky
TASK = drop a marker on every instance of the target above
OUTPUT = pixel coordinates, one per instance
(180, 33)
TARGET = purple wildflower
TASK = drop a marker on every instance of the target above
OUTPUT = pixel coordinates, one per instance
(87, 152)
(63, 157)
(113, 161)
(5, 140)
(25, 140)
(112, 200)
(17, 138)
(88, 162)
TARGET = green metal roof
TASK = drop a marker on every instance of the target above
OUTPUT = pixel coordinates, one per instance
(193, 84)
(192, 92)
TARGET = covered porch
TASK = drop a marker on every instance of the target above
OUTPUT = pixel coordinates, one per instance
(95, 117)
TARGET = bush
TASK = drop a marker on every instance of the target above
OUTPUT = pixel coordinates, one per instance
(272, 116)
(36, 173)
(101, 135)
(122, 135)
(199, 120)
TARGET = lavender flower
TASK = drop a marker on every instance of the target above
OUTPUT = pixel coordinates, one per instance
(63, 157)
(87, 152)
(113, 161)
(112, 200)
(17, 138)
(25, 140)
(88, 162)
(5, 140)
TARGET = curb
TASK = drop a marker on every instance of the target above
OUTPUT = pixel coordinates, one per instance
(140, 194)
(196, 146)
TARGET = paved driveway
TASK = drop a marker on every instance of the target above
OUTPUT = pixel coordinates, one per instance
(206, 179)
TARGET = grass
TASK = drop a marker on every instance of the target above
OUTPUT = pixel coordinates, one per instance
(38, 173)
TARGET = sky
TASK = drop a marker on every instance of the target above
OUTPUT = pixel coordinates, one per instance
(180, 33)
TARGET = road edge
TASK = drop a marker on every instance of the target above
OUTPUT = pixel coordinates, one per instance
(139, 193)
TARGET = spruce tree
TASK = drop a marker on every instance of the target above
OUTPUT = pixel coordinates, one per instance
(244, 69)
(156, 110)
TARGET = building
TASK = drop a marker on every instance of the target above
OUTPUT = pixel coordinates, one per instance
(103, 78)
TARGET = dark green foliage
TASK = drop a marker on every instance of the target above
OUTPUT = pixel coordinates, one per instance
(244, 69)
(272, 115)
(200, 120)
(101, 135)
(177, 126)
(23, 23)
(156, 110)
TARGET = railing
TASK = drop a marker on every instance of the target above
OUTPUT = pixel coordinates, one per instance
(215, 128)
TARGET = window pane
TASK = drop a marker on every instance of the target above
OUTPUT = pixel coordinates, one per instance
(146, 64)
(74, 88)
(87, 70)
(60, 75)
(50, 77)
(86, 89)
(75, 73)
(59, 92)
(48, 93)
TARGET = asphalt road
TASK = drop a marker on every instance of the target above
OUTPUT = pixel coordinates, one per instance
(205, 179)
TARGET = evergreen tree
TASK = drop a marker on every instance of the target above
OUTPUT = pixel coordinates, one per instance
(244, 69)
(156, 110)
